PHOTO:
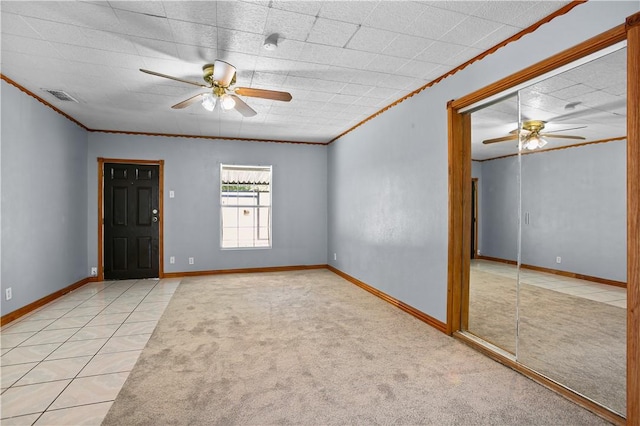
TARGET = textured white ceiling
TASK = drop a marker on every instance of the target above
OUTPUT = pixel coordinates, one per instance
(341, 60)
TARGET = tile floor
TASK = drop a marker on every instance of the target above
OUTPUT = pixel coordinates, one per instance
(611, 295)
(64, 363)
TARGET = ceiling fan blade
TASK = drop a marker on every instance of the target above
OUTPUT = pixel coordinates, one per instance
(223, 73)
(173, 78)
(566, 130)
(551, 135)
(189, 101)
(502, 139)
(242, 107)
(262, 93)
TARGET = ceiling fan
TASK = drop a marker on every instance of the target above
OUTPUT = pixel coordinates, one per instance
(220, 77)
(531, 135)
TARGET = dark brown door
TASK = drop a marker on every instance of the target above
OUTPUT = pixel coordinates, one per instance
(131, 221)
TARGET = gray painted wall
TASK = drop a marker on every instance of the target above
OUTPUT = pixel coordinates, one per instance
(388, 197)
(576, 201)
(387, 186)
(476, 169)
(498, 210)
(192, 218)
(44, 200)
(577, 204)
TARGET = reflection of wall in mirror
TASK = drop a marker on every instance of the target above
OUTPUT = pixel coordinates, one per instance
(476, 172)
(575, 202)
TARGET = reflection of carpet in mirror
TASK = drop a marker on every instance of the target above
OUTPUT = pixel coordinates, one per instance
(492, 309)
(577, 342)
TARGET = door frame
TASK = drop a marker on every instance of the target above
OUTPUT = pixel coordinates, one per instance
(160, 164)
(459, 137)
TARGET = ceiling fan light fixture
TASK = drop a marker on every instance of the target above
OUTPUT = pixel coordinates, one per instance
(541, 142)
(209, 102)
(227, 102)
(534, 142)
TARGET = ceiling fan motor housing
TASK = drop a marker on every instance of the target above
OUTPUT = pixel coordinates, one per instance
(533, 126)
(207, 75)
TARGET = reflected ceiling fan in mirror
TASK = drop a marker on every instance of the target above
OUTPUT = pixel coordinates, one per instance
(220, 78)
(531, 136)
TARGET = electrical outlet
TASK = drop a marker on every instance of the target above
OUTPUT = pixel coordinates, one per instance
(558, 259)
(7, 294)
(172, 260)
(191, 261)
(335, 256)
(94, 271)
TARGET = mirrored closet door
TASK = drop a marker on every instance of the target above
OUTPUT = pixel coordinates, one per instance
(547, 283)
(493, 285)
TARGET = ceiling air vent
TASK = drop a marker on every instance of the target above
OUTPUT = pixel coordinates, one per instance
(61, 94)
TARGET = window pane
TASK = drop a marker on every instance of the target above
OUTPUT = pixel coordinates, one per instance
(229, 234)
(265, 199)
(263, 233)
(248, 199)
(229, 217)
(246, 217)
(242, 190)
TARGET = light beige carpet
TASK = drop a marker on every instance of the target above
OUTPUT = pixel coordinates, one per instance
(309, 348)
(577, 342)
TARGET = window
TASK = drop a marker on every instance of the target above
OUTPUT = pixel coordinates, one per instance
(245, 203)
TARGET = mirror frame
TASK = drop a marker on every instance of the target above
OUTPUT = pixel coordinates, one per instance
(460, 203)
